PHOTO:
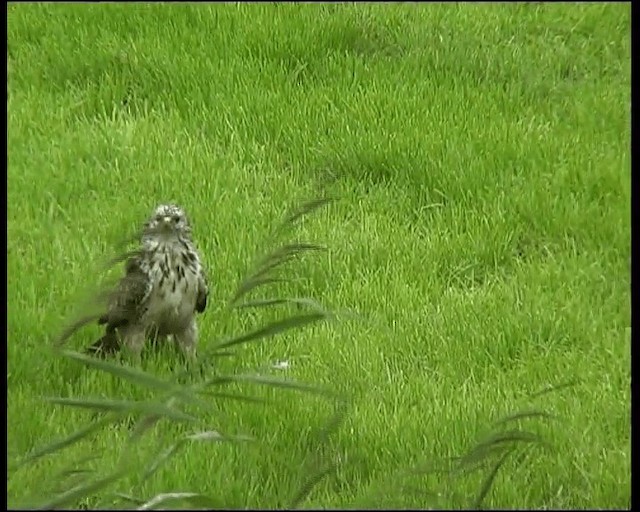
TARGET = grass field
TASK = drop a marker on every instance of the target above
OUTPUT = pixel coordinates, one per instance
(480, 241)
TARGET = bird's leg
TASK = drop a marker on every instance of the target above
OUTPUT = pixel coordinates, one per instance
(187, 339)
(157, 340)
(133, 338)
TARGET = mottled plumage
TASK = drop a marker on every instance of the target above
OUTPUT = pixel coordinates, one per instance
(163, 288)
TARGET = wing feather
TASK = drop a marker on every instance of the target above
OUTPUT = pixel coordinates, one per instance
(125, 305)
(127, 301)
(203, 292)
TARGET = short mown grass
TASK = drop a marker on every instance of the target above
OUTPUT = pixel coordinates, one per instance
(478, 251)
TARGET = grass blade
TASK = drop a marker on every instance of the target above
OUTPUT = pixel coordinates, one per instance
(124, 256)
(147, 422)
(213, 435)
(232, 396)
(162, 457)
(196, 501)
(74, 438)
(72, 328)
(278, 258)
(275, 382)
(478, 456)
(128, 498)
(306, 208)
(70, 497)
(124, 406)
(273, 329)
(260, 303)
(524, 415)
(488, 482)
(252, 284)
(169, 452)
(308, 486)
(325, 468)
(554, 388)
(135, 376)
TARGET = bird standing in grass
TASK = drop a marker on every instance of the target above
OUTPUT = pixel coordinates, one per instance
(163, 288)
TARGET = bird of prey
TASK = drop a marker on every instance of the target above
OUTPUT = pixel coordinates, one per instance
(163, 288)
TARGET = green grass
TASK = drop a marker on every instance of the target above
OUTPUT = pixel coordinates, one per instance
(481, 154)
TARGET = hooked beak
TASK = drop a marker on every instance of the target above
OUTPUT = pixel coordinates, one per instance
(166, 224)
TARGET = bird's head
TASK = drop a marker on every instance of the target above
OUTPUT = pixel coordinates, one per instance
(168, 221)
